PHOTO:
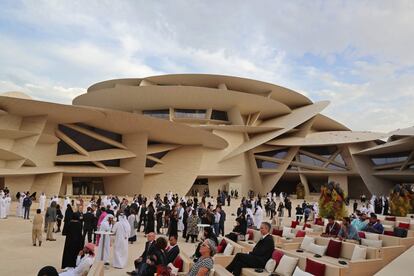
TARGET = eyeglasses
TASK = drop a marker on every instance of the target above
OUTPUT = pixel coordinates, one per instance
(203, 244)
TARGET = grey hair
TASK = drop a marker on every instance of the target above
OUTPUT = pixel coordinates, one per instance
(212, 246)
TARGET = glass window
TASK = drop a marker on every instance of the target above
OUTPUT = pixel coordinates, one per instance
(280, 154)
(160, 113)
(310, 160)
(201, 181)
(323, 151)
(263, 164)
(339, 159)
(88, 186)
(219, 115)
(336, 168)
(75, 164)
(151, 163)
(190, 113)
(85, 141)
(390, 159)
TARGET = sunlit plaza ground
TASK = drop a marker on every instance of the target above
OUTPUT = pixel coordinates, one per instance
(20, 257)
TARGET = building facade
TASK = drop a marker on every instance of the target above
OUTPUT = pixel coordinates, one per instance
(191, 132)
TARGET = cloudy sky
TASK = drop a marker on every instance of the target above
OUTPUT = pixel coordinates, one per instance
(357, 54)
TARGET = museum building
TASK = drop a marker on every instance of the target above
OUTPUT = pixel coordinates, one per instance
(192, 132)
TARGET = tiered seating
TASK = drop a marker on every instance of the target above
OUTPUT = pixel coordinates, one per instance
(281, 242)
(288, 262)
(358, 260)
(390, 247)
(226, 250)
(390, 223)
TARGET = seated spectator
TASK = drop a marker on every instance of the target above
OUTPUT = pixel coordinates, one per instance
(207, 234)
(205, 263)
(348, 232)
(239, 229)
(374, 225)
(149, 250)
(258, 257)
(332, 228)
(360, 223)
(173, 250)
(158, 260)
(84, 262)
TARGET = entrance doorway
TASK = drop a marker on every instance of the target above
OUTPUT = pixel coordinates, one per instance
(200, 187)
(88, 186)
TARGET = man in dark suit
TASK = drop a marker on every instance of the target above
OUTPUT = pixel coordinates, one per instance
(88, 224)
(149, 250)
(258, 257)
(173, 250)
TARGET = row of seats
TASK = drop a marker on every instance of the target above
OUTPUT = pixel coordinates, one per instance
(371, 258)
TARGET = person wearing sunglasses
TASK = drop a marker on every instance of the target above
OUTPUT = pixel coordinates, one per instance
(205, 263)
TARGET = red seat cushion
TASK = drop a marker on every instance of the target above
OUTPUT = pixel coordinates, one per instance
(361, 235)
(307, 225)
(277, 232)
(319, 221)
(294, 223)
(250, 233)
(315, 268)
(178, 263)
(221, 246)
(277, 256)
(389, 233)
(223, 242)
(390, 218)
(404, 225)
(300, 234)
(334, 249)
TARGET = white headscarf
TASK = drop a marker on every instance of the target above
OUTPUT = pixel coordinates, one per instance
(126, 228)
(105, 226)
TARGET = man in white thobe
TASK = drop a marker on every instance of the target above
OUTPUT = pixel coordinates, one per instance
(2, 207)
(121, 229)
(22, 196)
(83, 264)
(104, 247)
(42, 202)
(8, 202)
(258, 216)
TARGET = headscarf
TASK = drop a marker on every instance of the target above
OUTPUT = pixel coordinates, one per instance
(91, 248)
(125, 227)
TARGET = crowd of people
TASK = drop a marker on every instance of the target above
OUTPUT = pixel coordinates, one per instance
(121, 218)
(164, 219)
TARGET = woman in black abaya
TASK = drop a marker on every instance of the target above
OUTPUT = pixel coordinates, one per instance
(150, 227)
(73, 243)
(68, 217)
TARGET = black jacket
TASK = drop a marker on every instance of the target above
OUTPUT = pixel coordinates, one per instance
(264, 249)
(172, 254)
(149, 250)
(88, 221)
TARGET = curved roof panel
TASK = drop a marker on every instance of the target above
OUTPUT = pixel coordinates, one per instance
(284, 95)
(329, 138)
(129, 98)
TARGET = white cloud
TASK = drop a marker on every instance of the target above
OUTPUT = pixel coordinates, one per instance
(60, 48)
